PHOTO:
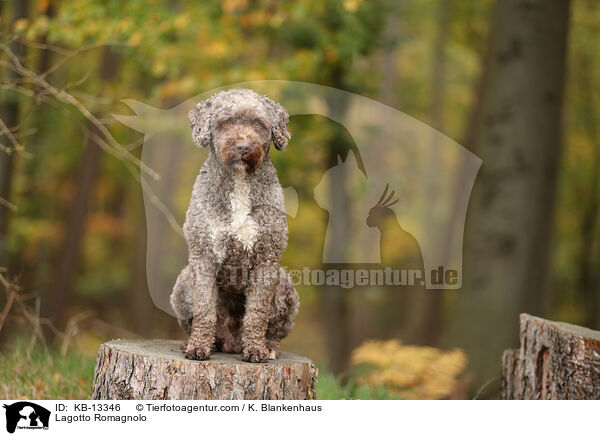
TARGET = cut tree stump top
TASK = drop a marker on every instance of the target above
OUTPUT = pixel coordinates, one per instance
(155, 369)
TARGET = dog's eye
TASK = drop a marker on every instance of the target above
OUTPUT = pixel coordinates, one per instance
(258, 124)
(227, 122)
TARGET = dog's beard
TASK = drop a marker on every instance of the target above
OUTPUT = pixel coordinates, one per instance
(245, 163)
(239, 167)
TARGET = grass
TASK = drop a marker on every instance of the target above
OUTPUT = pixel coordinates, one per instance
(331, 387)
(44, 374)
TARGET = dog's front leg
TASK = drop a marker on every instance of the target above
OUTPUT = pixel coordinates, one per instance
(204, 311)
(259, 297)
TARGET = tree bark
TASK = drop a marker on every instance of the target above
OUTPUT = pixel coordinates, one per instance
(556, 361)
(507, 234)
(157, 370)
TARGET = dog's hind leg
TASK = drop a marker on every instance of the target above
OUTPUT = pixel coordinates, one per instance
(181, 300)
(230, 312)
(283, 311)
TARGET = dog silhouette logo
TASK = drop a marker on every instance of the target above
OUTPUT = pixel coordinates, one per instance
(26, 415)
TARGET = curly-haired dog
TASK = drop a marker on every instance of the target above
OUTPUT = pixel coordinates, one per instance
(233, 295)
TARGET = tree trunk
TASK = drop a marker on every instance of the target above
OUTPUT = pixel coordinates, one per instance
(391, 36)
(9, 111)
(334, 301)
(587, 259)
(75, 229)
(431, 321)
(157, 370)
(507, 233)
(556, 361)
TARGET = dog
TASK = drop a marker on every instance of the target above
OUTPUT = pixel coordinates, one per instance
(233, 296)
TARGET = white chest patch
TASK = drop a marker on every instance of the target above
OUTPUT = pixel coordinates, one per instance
(242, 227)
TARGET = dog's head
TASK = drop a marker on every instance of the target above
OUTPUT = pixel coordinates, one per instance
(239, 126)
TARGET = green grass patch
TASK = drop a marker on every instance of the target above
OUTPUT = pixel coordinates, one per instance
(331, 387)
(44, 374)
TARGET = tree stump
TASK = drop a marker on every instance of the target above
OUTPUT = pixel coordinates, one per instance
(158, 370)
(556, 361)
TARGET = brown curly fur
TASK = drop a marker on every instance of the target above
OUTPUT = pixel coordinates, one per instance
(233, 296)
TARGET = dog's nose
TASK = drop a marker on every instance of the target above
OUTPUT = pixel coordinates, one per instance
(243, 147)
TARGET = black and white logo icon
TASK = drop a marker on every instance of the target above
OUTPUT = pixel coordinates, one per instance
(26, 415)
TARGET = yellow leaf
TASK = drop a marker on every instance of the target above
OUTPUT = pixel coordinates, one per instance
(181, 21)
(21, 24)
(233, 5)
(351, 5)
(43, 5)
(135, 38)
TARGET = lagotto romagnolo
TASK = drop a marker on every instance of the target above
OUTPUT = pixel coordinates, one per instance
(233, 296)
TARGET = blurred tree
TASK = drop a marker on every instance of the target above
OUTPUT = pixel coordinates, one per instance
(588, 276)
(507, 236)
(69, 259)
(432, 316)
(9, 122)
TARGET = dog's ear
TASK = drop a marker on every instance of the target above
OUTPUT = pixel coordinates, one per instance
(279, 120)
(200, 123)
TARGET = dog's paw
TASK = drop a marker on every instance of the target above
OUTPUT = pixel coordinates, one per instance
(196, 352)
(256, 354)
(273, 348)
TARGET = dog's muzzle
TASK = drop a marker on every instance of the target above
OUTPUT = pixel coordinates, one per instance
(246, 157)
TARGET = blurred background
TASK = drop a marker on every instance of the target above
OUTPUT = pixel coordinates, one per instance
(513, 81)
